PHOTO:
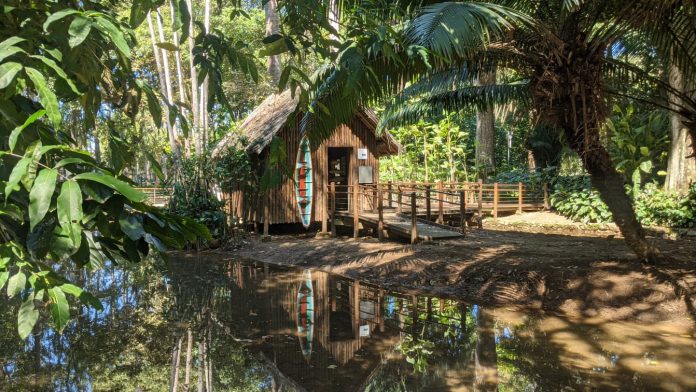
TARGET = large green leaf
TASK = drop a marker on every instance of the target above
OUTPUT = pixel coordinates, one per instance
(18, 130)
(58, 16)
(85, 297)
(59, 308)
(132, 226)
(70, 211)
(16, 284)
(18, 172)
(8, 71)
(40, 195)
(113, 32)
(27, 317)
(121, 187)
(58, 70)
(79, 30)
(48, 98)
(9, 51)
(4, 276)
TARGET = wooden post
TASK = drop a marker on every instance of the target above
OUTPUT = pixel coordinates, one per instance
(495, 200)
(380, 212)
(414, 219)
(440, 203)
(356, 308)
(324, 208)
(546, 196)
(389, 186)
(480, 203)
(519, 197)
(356, 211)
(266, 214)
(380, 316)
(399, 200)
(374, 197)
(333, 209)
(427, 203)
(462, 211)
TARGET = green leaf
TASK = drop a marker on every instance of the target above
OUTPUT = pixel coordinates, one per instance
(168, 46)
(85, 297)
(70, 211)
(645, 151)
(18, 172)
(9, 51)
(3, 278)
(646, 166)
(48, 98)
(59, 308)
(185, 20)
(58, 16)
(27, 317)
(8, 71)
(40, 195)
(154, 165)
(58, 70)
(132, 226)
(79, 30)
(119, 186)
(11, 42)
(16, 284)
(15, 132)
(113, 32)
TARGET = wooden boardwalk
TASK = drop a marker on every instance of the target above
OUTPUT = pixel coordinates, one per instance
(397, 225)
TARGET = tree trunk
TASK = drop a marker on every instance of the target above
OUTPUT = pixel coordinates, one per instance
(169, 96)
(610, 185)
(195, 121)
(485, 132)
(177, 59)
(176, 355)
(273, 27)
(163, 85)
(681, 165)
(203, 110)
(189, 349)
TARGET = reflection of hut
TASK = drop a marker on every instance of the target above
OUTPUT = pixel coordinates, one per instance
(350, 156)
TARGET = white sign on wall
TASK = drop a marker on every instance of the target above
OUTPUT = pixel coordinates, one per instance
(362, 153)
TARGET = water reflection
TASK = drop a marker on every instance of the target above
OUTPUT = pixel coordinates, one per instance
(198, 325)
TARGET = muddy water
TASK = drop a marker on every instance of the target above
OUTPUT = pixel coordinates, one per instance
(242, 326)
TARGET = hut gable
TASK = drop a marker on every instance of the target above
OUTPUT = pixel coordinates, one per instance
(273, 113)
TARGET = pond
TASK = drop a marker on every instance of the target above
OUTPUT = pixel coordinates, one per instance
(221, 325)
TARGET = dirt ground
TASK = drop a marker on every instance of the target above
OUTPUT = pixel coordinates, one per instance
(566, 269)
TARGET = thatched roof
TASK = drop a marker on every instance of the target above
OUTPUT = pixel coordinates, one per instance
(273, 113)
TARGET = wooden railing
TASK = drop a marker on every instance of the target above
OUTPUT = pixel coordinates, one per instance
(449, 204)
(157, 196)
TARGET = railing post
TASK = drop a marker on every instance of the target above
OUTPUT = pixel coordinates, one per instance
(380, 212)
(414, 219)
(266, 203)
(356, 210)
(440, 196)
(546, 196)
(389, 186)
(480, 203)
(495, 200)
(324, 208)
(519, 197)
(462, 210)
(399, 199)
(333, 209)
(427, 203)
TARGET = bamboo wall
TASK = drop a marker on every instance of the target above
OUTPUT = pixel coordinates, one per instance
(283, 207)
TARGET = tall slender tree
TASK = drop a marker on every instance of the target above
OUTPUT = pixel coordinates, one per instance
(272, 28)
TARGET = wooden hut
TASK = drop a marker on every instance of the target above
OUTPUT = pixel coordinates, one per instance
(350, 156)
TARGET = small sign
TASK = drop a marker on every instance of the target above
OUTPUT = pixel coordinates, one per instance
(362, 153)
(365, 331)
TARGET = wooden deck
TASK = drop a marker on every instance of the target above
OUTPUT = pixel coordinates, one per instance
(397, 225)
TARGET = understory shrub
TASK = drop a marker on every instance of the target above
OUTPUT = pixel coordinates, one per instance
(575, 198)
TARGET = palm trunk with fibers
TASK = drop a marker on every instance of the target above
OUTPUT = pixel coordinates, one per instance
(177, 58)
(273, 27)
(681, 165)
(194, 86)
(581, 128)
(485, 132)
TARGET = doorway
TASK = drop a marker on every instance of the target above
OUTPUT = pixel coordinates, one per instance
(339, 172)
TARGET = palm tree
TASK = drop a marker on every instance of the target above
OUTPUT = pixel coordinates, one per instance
(560, 49)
